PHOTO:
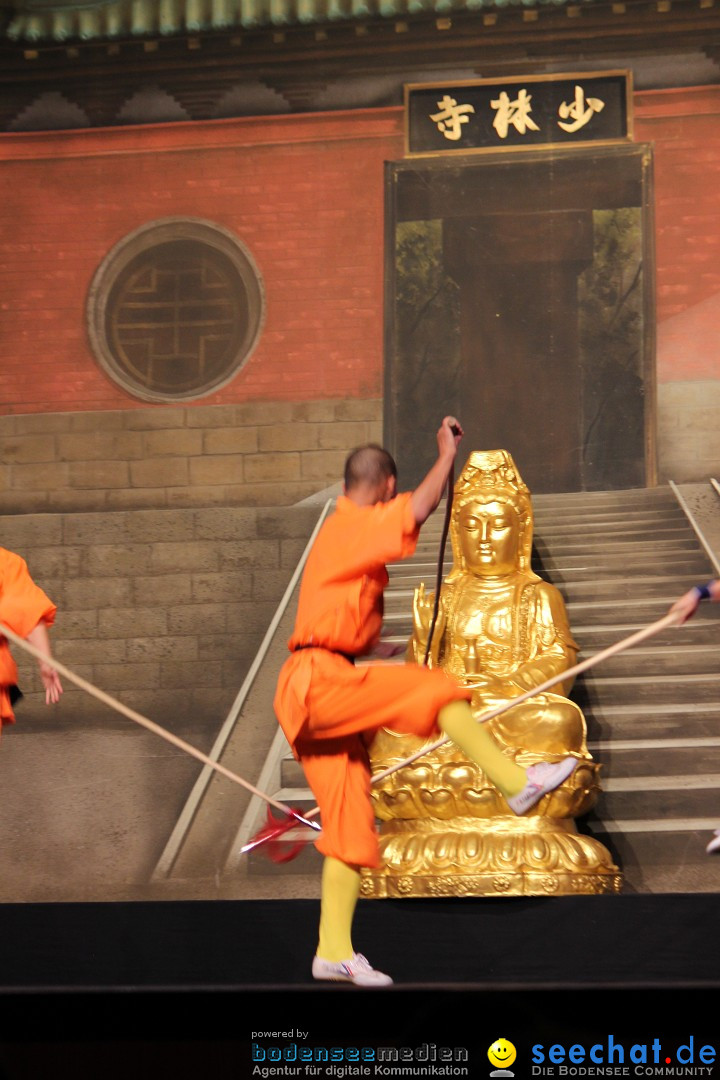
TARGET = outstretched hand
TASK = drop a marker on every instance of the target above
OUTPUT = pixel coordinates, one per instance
(52, 684)
(686, 606)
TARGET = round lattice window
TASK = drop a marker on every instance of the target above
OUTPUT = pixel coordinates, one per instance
(175, 310)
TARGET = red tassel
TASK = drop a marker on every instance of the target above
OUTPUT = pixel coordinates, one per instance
(269, 838)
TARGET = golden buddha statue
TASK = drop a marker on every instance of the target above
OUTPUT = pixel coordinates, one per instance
(502, 630)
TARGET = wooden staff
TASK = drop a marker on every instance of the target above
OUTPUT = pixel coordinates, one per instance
(671, 619)
(118, 706)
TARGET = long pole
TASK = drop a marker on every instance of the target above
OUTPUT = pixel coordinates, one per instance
(137, 718)
(671, 619)
(569, 673)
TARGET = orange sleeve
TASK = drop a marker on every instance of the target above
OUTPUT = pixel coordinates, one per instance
(23, 604)
(394, 532)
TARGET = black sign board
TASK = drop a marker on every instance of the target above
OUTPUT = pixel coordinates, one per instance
(517, 113)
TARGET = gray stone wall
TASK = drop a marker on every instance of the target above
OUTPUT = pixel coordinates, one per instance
(688, 430)
(164, 609)
(257, 454)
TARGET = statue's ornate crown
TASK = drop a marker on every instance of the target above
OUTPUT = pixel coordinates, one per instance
(487, 475)
(491, 470)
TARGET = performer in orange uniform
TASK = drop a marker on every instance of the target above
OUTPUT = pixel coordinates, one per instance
(26, 609)
(327, 706)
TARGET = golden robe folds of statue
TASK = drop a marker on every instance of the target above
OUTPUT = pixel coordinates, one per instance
(445, 828)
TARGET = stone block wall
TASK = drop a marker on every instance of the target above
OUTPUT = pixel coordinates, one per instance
(163, 609)
(688, 430)
(257, 454)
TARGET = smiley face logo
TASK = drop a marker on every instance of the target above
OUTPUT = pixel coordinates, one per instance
(502, 1053)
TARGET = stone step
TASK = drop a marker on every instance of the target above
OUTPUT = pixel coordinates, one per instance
(641, 784)
(702, 629)
(662, 758)
(610, 725)
(582, 543)
(661, 660)
(629, 499)
(672, 757)
(594, 639)
(599, 561)
(647, 796)
(650, 547)
(579, 592)
(590, 519)
(593, 687)
(397, 619)
(655, 798)
(685, 573)
(664, 512)
(573, 568)
(550, 527)
(667, 857)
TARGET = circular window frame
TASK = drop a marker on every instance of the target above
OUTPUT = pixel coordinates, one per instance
(163, 231)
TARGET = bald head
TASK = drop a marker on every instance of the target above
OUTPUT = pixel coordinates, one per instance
(369, 467)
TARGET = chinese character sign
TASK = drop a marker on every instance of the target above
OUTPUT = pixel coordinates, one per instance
(515, 112)
(580, 112)
(451, 117)
(518, 113)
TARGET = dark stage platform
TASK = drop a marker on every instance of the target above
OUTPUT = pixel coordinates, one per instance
(203, 989)
(588, 941)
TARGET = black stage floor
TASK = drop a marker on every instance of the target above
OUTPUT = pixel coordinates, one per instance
(653, 940)
(202, 989)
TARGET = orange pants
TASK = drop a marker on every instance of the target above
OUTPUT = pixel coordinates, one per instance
(345, 705)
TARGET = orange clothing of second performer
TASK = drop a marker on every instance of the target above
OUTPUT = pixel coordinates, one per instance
(23, 605)
(327, 706)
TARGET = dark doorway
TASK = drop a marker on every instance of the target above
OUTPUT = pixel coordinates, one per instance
(519, 296)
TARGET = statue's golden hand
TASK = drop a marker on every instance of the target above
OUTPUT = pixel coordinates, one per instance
(423, 604)
(491, 687)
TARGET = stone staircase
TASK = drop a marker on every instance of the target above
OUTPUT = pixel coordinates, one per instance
(653, 713)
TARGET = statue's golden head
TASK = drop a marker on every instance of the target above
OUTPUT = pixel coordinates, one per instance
(492, 520)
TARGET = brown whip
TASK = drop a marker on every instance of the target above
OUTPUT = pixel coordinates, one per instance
(441, 561)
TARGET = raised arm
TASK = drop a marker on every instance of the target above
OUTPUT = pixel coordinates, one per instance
(427, 495)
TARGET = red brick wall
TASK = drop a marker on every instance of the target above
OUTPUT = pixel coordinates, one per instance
(683, 127)
(304, 194)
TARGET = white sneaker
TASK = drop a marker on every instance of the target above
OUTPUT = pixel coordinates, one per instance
(543, 777)
(355, 970)
(714, 844)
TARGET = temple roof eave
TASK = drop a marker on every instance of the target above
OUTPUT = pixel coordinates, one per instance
(34, 21)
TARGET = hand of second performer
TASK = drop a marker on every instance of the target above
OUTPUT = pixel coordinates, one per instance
(52, 684)
(686, 606)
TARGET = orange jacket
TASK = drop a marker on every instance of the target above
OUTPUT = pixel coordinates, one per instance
(23, 605)
(340, 607)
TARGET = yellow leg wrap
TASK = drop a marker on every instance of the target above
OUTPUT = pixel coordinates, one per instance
(456, 720)
(340, 891)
